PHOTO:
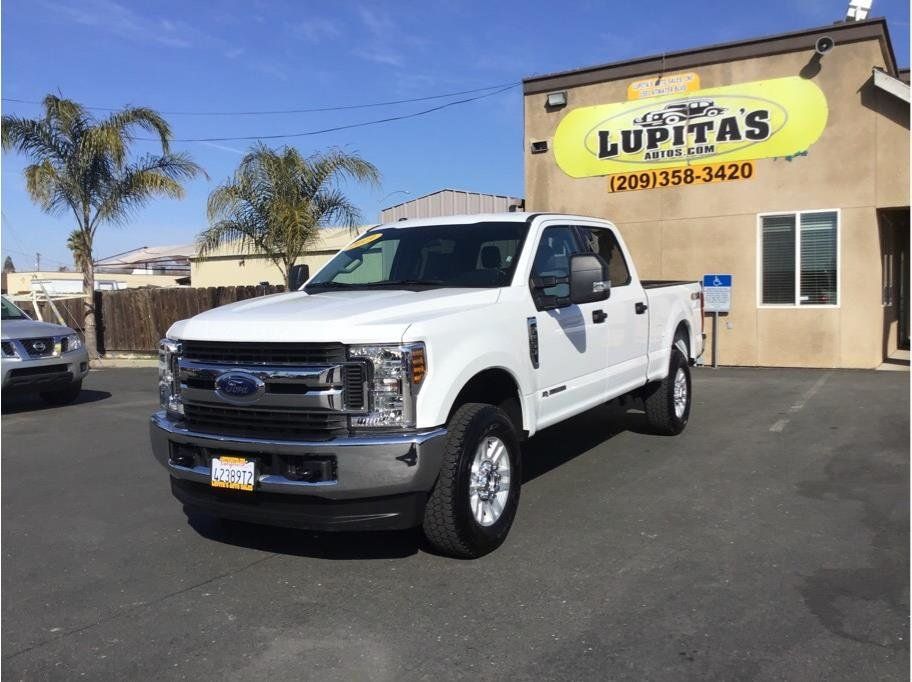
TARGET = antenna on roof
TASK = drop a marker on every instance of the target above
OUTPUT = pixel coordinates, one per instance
(858, 10)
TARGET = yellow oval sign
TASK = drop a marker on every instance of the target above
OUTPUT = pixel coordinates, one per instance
(763, 119)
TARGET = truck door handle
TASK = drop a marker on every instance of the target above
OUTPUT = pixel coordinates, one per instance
(640, 308)
(599, 316)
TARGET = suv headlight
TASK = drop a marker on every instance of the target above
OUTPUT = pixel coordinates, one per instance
(73, 342)
(398, 373)
(169, 377)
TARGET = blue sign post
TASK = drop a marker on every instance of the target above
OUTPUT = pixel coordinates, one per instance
(717, 290)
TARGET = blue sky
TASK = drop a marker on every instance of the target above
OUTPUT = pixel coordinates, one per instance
(252, 54)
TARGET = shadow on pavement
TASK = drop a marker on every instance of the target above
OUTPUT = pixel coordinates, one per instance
(30, 402)
(322, 545)
(568, 440)
(543, 453)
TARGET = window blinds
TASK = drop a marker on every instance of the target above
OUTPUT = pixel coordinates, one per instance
(818, 258)
(778, 259)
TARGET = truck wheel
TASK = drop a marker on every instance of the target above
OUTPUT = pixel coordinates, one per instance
(471, 509)
(668, 403)
(64, 396)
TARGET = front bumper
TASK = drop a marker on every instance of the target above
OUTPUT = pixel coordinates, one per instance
(378, 481)
(44, 374)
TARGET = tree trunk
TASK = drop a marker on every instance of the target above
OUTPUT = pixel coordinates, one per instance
(88, 293)
(88, 286)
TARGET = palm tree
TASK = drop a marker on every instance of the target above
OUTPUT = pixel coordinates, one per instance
(278, 199)
(82, 165)
(82, 252)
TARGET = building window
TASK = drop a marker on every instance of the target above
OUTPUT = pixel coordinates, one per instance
(799, 258)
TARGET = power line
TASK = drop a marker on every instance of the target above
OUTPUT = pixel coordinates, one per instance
(273, 112)
(362, 124)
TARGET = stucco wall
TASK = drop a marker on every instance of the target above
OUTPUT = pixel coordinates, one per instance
(234, 265)
(246, 270)
(860, 162)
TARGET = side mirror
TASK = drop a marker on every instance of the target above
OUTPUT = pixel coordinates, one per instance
(588, 278)
(298, 275)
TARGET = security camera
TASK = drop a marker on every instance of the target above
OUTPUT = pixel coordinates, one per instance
(823, 45)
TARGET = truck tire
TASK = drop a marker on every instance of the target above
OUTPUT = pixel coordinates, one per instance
(668, 402)
(63, 396)
(472, 506)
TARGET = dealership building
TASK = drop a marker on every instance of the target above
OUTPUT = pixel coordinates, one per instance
(782, 161)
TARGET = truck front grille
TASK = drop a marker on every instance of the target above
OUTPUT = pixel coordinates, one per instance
(264, 353)
(307, 391)
(254, 423)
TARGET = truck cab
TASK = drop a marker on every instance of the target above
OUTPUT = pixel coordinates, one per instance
(395, 388)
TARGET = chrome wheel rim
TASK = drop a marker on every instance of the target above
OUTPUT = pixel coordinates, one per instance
(680, 393)
(489, 481)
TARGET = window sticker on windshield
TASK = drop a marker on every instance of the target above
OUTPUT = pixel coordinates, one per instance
(364, 241)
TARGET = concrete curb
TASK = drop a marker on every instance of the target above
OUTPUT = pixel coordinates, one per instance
(110, 363)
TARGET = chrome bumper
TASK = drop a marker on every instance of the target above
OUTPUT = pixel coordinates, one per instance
(369, 466)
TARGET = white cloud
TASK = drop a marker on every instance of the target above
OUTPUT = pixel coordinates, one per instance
(381, 55)
(382, 33)
(121, 20)
(316, 30)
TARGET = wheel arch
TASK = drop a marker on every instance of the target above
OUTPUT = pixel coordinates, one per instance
(493, 386)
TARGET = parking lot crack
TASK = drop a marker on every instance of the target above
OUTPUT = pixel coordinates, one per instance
(141, 605)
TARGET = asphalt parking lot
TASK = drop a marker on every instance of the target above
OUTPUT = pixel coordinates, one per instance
(769, 541)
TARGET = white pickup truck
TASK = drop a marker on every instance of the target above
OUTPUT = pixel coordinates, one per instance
(395, 388)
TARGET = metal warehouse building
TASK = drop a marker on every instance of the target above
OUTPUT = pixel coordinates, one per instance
(783, 161)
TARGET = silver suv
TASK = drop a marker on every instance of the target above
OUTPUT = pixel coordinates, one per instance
(49, 359)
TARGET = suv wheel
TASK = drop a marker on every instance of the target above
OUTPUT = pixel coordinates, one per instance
(472, 507)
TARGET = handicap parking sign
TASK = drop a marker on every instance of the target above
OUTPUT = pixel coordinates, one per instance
(717, 293)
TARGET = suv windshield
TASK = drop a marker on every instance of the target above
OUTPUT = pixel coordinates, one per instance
(11, 312)
(433, 256)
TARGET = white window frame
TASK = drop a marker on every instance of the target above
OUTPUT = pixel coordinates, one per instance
(797, 304)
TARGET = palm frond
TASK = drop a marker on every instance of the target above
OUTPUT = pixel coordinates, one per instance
(277, 200)
(151, 176)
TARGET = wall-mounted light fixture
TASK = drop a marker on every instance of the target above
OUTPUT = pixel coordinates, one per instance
(556, 100)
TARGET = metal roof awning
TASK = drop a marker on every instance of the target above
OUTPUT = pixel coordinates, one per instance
(894, 86)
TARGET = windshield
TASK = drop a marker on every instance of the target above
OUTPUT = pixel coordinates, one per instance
(433, 256)
(11, 312)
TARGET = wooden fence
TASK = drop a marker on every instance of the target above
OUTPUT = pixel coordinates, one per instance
(134, 320)
(70, 309)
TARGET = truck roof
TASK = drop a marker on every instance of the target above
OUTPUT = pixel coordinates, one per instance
(519, 217)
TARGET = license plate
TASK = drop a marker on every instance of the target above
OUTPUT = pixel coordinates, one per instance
(235, 473)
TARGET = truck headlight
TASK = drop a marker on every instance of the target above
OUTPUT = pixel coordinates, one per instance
(398, 373)
(169, 376)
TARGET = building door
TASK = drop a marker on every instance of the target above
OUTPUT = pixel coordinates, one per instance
(902, 279)
(894, 235)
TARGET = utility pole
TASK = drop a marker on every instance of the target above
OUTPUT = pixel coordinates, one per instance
(37, 262)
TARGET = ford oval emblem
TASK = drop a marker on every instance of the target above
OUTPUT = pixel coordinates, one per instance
(239, 388)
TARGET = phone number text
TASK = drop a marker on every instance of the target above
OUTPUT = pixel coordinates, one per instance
(674, 177)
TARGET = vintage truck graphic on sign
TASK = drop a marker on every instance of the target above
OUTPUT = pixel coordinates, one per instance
(741, 122)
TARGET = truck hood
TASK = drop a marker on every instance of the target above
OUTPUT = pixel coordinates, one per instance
(377, 316)
(31, 329)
